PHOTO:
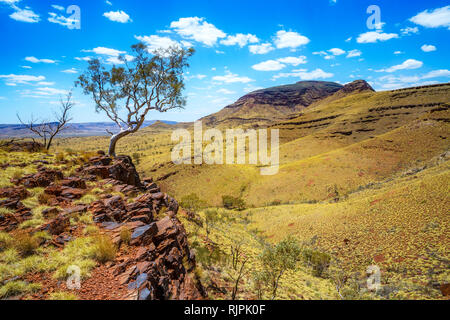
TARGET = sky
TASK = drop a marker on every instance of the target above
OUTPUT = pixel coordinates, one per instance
(241, 46)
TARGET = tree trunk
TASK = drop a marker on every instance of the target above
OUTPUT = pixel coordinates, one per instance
(114, 139)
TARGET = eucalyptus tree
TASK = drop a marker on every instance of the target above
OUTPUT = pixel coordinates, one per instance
(146, 81)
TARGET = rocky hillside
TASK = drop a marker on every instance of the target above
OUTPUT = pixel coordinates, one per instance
(272, 104)
(121, 232)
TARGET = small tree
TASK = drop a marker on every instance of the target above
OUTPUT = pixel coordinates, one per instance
(147, 82)
(48, 130)
(276, 260)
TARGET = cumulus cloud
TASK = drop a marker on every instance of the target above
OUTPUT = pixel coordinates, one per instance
(239, 39)
(62, 20)
(25, 15)
(118, 16)
(374, 36)
(71, 70)
(390, 82)
(409, 30)
(198, 29)
(155, 42)
(112, 56)
(231, 78)
(262, 48)
(225, 91)
(428, 48)
(407, 64)
(275, 65)
(269, 65)
(289, 39)
(436, 18)
(336, 51)
(354, 53)
(36, 60)
(57, 7)
(14, 79)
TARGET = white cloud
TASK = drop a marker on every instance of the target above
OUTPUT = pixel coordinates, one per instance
(436, 74)
(118, 16)
(155, 42)
(71, 70)
(36, 60)
(197, 76)
(275, 65)
(14, 79)
(269, 65)
(398, 52)
(57, 7)
(374, 36)
(305, 75)
(336, 51)
(262, 48)
(197, 29)
(106, 51)
(26, 67)
(83, 58)
(354, 53)
(25, 15)
(390, 82)
(225, 91)
(436, 18)
(45, 83)
(348, 39)
(406, 65)
(289, 39)
(231, 78)
(239, 39)
(111, 55)
(108, 3)
(428, 48)
(62, 20)
(409, 30)
(46, 91)
(295, 61)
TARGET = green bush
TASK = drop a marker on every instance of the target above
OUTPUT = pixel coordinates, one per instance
(318, 261)
(230, 202)
(192, 202)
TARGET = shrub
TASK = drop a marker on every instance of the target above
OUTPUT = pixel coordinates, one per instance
(62, 296)
(43, 198)
(5, 211)
(319, 261)
(276, 260)
(26, 244)
(125, 235)
(60, 157)
(192, 202)
(5, 241)
(105, 250)
(230, 202)
(17, 173)
(13, 288)
(87, 199)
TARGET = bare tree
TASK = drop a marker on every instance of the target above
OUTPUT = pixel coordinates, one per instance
(47, 130)
(146, 82)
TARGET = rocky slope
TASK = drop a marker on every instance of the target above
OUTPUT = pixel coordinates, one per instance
(272, 104)
(157, 263)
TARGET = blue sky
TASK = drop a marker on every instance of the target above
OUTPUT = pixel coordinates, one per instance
(240, 46)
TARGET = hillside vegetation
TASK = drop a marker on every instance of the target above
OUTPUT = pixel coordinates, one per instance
(364, 178)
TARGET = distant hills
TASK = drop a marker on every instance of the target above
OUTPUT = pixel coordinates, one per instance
(269, 105)
(74, 129)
